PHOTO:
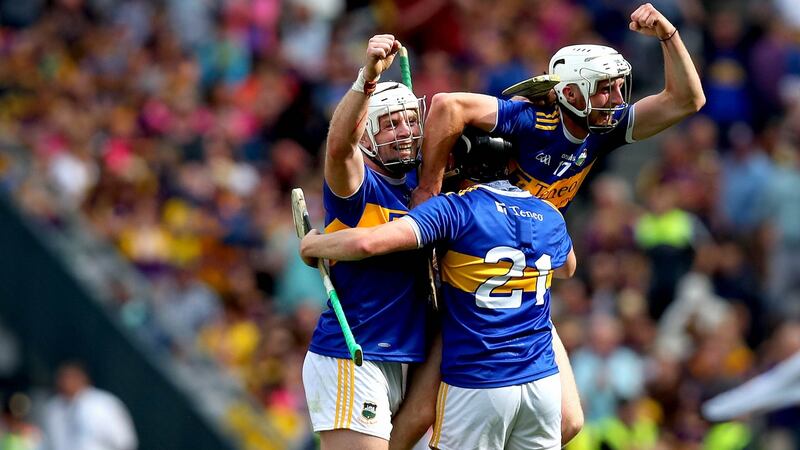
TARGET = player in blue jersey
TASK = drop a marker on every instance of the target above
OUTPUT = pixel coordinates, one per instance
(374, 139)
(500, 385)
(558, 144)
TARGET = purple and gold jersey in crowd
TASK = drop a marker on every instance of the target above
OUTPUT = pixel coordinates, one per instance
(501, 246)
(384, 298)
(551, 163)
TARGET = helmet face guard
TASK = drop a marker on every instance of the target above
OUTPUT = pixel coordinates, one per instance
(586, 66)
(398, 103)
(611, 122)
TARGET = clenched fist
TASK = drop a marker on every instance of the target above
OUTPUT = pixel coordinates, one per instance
(648, 21)
(381, 50)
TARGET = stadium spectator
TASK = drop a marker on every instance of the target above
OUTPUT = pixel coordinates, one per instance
(745, 166)
(607, 373)
(667, 234)
(779, 207)
(16, 431)
(82, 416)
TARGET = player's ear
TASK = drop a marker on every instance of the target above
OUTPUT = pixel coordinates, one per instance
(364, 141)
(573, 95)
(569, 93)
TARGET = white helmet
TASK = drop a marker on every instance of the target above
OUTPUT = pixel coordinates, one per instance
(585, 65)
(388, 98)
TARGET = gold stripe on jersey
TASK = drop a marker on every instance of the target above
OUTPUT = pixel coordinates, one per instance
(466, 273)
(547, 122)
(559, 193)
(544, 114)
(373, 215)
(464, 191)
(441, 398)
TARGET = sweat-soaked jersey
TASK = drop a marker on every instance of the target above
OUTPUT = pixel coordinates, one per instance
(502, 245)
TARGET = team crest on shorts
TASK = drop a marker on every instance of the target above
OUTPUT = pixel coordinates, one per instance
(369, 412)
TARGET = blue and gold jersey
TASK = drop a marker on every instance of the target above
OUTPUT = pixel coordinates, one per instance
(501, 247)
(551, 163)
(384, 298)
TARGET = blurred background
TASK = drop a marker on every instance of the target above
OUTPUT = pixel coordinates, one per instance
(147, 150)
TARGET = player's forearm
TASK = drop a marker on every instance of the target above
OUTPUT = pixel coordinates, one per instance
(682, 82)
(344, 245)
(347, 125)
(355, 244)
(571, 410)
(442, 128)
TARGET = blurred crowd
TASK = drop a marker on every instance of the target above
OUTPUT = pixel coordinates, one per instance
(178, 128)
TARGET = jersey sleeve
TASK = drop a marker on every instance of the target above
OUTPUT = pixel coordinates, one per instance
(347, 210)
(513, 117)
(441, 218)
(558, 241)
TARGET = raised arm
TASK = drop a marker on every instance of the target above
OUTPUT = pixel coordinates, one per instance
(683, 93)
(344, 164)
(354, 244)
(449, 114)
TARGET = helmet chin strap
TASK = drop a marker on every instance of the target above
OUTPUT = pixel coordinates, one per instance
(582, 117)
(573, 113)
(401, 167)
(570, 111)
(397, 168)
(602, 129)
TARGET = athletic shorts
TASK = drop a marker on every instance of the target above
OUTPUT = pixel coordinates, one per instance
(526, 416)
(343, 396)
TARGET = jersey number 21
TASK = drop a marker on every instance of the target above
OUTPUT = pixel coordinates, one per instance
(483, 295)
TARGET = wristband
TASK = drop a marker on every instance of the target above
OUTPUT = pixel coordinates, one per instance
(362, 85)
(670, 35)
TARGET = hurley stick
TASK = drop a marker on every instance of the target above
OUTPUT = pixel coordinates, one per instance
(405, 76)
(302, 225)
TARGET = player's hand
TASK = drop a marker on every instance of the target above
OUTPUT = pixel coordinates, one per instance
(381, 50)
(310, 261)
(420, 196)
(541, 101)
(648, 21)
